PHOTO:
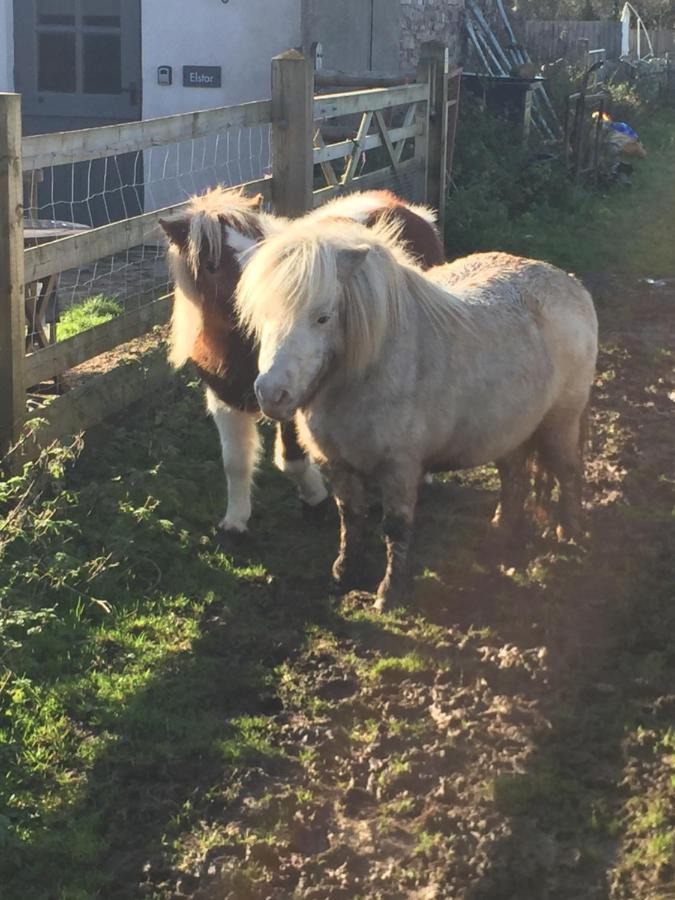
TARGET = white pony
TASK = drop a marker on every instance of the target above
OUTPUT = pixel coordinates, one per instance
(394, 371)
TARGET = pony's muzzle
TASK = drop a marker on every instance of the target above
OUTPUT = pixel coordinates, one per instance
(275, 401)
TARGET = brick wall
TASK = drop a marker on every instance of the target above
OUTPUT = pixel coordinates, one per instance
(430, 20)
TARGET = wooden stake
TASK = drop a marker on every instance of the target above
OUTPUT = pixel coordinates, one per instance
(434, 62)
(292, 134)
(12, 311)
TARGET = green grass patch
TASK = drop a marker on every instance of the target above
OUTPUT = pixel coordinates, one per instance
(250, 742)
(518, 795)
(396, 668)
(90, 312)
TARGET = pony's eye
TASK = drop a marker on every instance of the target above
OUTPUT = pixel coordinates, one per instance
(322, 320)
(211, 267)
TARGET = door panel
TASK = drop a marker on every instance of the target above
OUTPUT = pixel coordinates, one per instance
(78, 65)
(359, 35)
(79, 58)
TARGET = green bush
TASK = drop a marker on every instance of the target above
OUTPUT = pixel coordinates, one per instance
(496, 181)
(520, 199)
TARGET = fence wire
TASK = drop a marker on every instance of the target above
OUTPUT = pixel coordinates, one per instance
(62, 199)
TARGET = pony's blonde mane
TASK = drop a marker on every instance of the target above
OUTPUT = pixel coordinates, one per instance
(205, 217)
(208, 212)
(299, 267)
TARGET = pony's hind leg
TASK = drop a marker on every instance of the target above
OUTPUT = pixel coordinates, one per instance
(514, 478)
(240, 445)
(399, 486)
(561, 442)
(350, 496)
(294, 462)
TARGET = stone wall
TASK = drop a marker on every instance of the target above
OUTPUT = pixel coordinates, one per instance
(430, 20)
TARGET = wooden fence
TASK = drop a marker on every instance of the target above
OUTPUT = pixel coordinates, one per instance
(560, 39)
(547, 41)
(410, 125)
(663, 41)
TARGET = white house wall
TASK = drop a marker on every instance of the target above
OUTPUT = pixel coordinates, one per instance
(241, 37)
(6, 46)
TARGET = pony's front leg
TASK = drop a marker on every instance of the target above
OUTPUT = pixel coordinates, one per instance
(399, 497)
(350, 496)
(240, 445)
(290, 457)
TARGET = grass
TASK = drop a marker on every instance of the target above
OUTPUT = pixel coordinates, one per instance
(90, 312)
(130, 642)
(394, 668)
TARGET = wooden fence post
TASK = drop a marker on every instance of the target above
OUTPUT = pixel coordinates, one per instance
(12, 310)
(434, 68)
(292, 134)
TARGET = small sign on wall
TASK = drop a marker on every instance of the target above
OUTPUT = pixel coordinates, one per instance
(202, 76)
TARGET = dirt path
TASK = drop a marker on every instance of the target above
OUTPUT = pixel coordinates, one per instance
(510, 735)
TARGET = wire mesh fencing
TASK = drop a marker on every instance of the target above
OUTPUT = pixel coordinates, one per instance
(66, 199)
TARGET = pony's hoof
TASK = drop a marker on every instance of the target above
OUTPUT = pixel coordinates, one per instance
(507, 539)
(346, 577)
(232, 536)
(389, 595)
(232, 525)
(357, 600)
(317, 512)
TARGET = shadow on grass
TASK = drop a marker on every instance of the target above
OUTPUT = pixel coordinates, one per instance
(148, 731)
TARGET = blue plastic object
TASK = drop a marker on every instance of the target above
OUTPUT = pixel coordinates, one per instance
(623, 129)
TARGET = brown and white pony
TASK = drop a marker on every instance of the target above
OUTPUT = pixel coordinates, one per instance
(391, 371)
(210, 244)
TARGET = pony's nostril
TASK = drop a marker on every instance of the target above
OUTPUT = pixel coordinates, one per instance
(281, 397)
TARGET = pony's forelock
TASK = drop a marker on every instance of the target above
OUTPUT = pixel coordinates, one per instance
(208, 214)
(299, 268)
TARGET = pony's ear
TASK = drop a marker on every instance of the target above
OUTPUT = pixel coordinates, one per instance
(349, 261)
(177, 231)
(257, 201)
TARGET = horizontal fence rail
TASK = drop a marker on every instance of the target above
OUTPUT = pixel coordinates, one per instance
(43, 150)
(328, 106)
(372, 181)
(69, 252)
(343, 148)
